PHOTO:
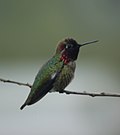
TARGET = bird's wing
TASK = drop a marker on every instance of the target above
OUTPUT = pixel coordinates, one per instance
(43, 83)
(42, 90)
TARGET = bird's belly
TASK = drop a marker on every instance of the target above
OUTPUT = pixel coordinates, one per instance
(64, 78)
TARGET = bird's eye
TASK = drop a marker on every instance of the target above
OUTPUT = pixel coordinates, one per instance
(66, 47)
(69, 46)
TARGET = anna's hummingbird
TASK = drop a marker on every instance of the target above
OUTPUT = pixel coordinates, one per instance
(57, 73)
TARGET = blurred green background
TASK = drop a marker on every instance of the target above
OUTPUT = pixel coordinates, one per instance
(29, 32)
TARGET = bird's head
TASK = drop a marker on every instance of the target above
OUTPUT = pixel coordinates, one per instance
(69, 49)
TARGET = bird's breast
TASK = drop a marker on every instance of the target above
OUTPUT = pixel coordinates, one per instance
(65, 76)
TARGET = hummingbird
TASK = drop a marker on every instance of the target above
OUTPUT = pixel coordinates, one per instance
(58, 72)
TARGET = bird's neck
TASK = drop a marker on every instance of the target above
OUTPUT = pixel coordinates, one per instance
(65, 58)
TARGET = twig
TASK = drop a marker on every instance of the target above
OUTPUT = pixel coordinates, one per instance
(102, 94)
(92, 94)
(15, 82)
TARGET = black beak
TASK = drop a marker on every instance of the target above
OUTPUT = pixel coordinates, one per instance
(86, 43)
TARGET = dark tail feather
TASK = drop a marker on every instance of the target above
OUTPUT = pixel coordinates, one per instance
(22, 106)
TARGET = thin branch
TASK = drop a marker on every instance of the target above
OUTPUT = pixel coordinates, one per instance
(15, 82)
(102, 94)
